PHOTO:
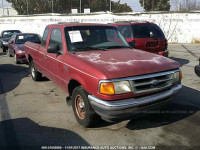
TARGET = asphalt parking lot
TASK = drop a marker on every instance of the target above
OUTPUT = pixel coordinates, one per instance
(36, 114)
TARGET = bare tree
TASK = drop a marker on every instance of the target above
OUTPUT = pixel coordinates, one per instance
(186, 5)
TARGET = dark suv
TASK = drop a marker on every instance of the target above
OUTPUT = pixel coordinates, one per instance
(5, 36)
(146, 36)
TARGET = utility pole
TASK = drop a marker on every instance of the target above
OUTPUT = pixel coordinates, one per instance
(27, 6)
(179, 5)
(2, 7)
(110, 5)
(143, 5)
(153, 5)
(52, 5)
(80, 6)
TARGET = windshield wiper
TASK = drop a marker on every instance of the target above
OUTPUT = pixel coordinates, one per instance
(118, 46)
(89, 48)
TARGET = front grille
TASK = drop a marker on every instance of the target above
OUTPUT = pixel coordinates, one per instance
(151, 82)
(151, 44)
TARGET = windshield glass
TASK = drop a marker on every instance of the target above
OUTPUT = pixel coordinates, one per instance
(8, 34)
(147, 31)
(85, 38)
(21, 39)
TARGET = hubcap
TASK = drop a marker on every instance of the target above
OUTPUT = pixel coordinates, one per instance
(80, 107)
(32, 70)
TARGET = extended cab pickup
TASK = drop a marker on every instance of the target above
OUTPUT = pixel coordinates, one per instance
(103, 76)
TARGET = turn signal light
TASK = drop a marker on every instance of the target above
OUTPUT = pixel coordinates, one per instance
(107, 88)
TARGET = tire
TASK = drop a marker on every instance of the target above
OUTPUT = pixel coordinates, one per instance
(35, 74)
(86, 117)
(9, 54)
(16, 61)
(4, 49)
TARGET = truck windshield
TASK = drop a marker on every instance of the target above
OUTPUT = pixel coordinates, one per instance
(87, 38)
(147, 31)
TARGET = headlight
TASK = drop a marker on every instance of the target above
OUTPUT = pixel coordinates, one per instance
(111, 88)
(20, 52)
(177, 77)
(5, 43)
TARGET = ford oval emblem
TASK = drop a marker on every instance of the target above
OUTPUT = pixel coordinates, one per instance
(155, 82)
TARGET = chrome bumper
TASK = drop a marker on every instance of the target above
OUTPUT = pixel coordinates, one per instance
(110, 110)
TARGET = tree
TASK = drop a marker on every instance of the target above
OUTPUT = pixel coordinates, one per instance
(186, 5)
(99, 5)
(65, 6)
(156, 5)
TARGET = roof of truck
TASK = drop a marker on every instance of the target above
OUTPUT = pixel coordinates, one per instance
(67, 24)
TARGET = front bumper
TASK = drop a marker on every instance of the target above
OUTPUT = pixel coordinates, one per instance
(21, 57)
(197, 70)
(124, 109)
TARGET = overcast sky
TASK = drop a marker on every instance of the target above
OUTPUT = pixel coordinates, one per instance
(5, 3)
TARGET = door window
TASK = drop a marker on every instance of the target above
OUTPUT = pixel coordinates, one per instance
(56, 38)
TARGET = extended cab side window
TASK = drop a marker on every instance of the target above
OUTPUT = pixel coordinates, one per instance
(56, 38)
(44, 38)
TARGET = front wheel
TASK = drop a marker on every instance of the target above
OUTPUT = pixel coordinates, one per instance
(9, 53)
(16, 61)
(35, 74)
(83, 111)
(4, 49)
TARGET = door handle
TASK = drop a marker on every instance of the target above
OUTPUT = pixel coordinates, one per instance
(45, 55)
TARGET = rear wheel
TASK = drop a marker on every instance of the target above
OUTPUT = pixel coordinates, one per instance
(35, 74)
(83, 111)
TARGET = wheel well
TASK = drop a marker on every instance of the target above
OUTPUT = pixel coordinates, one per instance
(29, 58)
(72, 85)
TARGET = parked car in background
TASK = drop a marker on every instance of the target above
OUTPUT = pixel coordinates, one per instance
(145, 36)
(197, 69)
(16, 45)
(5, 36)
(101, 73)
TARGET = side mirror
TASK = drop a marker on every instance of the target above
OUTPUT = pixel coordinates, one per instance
(132, 44)
(53, 48)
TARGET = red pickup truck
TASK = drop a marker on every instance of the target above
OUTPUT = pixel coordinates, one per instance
(102, 74)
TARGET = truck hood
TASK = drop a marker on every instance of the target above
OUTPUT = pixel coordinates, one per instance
(119, 63)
